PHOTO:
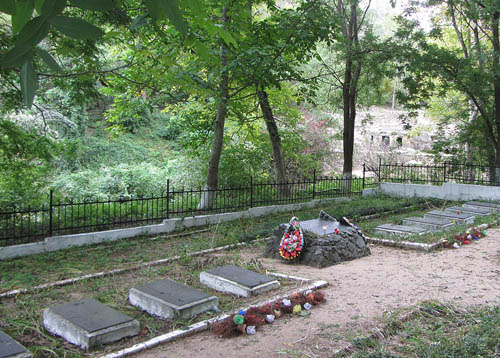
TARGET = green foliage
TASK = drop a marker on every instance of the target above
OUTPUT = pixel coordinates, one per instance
(25, 162)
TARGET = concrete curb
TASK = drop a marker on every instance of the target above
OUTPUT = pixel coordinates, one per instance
(200, 326)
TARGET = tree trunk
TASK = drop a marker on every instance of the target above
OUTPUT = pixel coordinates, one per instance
(208, 197)
(272, 129)
(496, 88)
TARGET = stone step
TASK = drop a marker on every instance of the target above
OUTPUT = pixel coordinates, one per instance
(471, 211)
(9, 348)
(388, 230)
(429, 223)
(459, 219)
(238, 281)
(88, 323)
(482, 205)
(169, 299)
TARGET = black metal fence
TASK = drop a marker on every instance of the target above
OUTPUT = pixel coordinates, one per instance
(438, 174)
(60, 217)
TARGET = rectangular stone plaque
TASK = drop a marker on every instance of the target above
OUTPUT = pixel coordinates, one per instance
(458, 218)
(238, 281)
(465, 210)
(167, 299)
(90, 315)
(240, 275)
(319, 227)
(88, 323)
(402, 228)
(482, 203)
(432, 223)
(11, 348)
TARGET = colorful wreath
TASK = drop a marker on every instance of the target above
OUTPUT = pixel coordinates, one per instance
(292, 241)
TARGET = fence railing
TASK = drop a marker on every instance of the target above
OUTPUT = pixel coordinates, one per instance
(60, 217)
(438, 174)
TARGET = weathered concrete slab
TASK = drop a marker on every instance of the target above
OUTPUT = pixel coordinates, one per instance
(471, 211)
(88, 323)
(429, 223)
(319, 227)
(238, 281)
(483, 205)
(388, 230)
(169, 299)
(453, 217)
(9, 348)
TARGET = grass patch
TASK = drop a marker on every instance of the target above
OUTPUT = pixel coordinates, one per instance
(437, 330)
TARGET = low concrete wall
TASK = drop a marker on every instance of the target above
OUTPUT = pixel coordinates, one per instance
(447, 191)
(55, 243)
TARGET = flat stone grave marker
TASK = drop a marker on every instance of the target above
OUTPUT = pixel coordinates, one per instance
(388, 230)
(472, 211)
(9, 348)
(431, 223)
(238, 281)
(483, 205)
(88, 323)
(168, 299)
(457, 218)
(319, 227)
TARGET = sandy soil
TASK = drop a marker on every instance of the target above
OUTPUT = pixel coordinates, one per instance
(359, 293)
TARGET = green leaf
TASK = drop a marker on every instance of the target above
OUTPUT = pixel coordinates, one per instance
(33, 32)
(29, 83)
(24, 10)
(139, 21)
(196, 6)
(99, 5)
(161, 9)
(49, 60)
(76, 28)
(8, 6)
(202, 50)
(227, 37)
(53, 7)
(15, 56)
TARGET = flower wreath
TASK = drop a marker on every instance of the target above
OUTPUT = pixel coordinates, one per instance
(292, 241)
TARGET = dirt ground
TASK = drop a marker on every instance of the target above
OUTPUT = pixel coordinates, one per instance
(358, 295)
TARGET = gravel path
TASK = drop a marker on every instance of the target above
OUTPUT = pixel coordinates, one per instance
(359, 293)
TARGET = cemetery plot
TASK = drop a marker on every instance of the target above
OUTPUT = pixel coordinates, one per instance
(492, 207)
(88, 323)
(458, 218)
(168, 299)
(470, 211)
(238, 281)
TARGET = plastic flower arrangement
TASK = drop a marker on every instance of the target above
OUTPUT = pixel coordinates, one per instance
(292, 241)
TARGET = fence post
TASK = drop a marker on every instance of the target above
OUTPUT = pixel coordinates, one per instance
(251, 191)
(50, 211)
(314, 184)
(364, 172)
(168, 198)
(444, 173)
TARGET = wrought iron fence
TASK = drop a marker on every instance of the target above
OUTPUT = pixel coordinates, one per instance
(60, 217)
(438, 174)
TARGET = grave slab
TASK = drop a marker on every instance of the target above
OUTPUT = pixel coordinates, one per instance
(454, 217)
(238, 281)
(482, 205)
(388, 230)
(169, 299)
(319, 227)
(9, 348)
(429, 223)
(471, 211)
(88, 323)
